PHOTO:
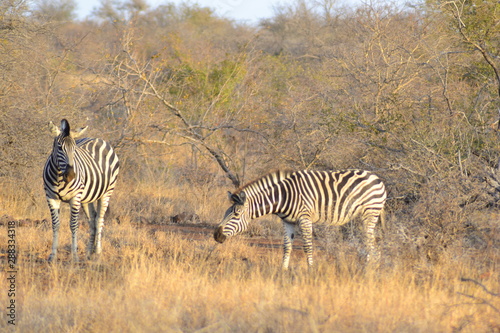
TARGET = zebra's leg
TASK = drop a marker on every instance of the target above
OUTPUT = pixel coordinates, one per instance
(370, 221)
(55, 208)
(86, 210)
(73, 225)
(92, 216)
(287, 243)
(305, 226)
(102, 206)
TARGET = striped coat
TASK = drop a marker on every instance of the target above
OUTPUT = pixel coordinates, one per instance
(82, 173)
(304, 197)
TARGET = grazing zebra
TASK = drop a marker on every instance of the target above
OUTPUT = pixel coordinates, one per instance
(303, 198)
(81, 173)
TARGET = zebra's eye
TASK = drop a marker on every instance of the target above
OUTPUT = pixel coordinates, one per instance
(238, 210)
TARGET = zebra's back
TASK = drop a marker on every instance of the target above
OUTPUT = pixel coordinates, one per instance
(333, 197)
(101, 167)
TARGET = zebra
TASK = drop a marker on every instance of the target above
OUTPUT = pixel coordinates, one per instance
(81, 173)
(303, 198)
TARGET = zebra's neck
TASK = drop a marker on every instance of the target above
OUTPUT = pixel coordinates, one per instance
(263, 195)
(79, 159)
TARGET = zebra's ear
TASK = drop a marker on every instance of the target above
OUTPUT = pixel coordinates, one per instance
(65, 128)
(238, 199)
(54, 129)
(79, 132)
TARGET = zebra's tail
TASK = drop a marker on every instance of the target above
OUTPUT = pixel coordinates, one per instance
(382, 220)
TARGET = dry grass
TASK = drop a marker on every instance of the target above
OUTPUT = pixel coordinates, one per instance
(152, 280)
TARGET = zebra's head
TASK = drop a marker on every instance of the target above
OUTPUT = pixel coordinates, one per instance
(235, 219)
(63, 151)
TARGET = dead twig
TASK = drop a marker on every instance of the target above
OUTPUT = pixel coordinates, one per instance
(480, 300)
(480, 285)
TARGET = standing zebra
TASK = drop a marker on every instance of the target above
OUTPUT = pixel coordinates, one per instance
(81, 173)
(303, 198)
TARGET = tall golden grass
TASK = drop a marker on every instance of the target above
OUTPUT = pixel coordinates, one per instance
(152, 280)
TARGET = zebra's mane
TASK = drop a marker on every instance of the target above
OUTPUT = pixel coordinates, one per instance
(273, 177)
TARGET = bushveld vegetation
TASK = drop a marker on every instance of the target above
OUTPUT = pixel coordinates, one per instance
(197, 105)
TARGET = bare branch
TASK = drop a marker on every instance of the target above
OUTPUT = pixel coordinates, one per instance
(480, 285)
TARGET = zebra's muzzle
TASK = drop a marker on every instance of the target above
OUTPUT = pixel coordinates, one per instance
(219, 236)
(69, 174)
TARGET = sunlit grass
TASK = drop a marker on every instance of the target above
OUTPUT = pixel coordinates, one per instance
(151, 280)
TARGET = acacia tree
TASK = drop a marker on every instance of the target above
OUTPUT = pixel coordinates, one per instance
(172, 96)
(29, 93)
(56, 10)
(475, 26)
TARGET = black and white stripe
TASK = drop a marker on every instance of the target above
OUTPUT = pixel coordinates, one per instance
(82, 173)
(303, 198)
